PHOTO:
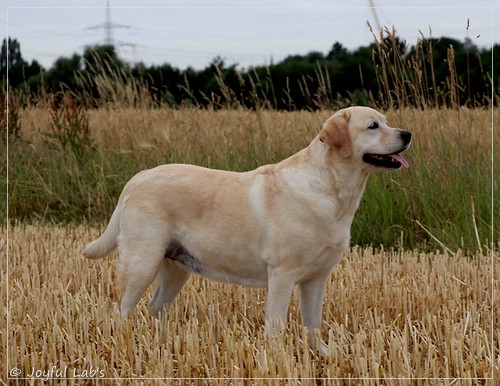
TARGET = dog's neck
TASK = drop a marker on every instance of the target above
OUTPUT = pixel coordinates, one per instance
(346, 184)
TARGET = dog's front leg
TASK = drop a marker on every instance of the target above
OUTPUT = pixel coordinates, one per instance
(311, 295)
(278, 297)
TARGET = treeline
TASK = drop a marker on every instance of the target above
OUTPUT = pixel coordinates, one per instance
(434, 72)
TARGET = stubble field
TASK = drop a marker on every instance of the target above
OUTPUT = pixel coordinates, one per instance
(387, 314)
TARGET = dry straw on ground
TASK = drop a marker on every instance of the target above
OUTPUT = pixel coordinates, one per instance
(387, 314)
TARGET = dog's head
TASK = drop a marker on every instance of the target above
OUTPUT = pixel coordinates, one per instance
(361, 135)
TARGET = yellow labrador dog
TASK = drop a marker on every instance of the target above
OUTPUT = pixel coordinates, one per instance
(275, 227)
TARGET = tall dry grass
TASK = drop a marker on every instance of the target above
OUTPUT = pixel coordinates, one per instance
(444, 199)
(388, 314)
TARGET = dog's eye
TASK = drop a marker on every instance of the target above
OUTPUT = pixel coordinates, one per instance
(374, 125)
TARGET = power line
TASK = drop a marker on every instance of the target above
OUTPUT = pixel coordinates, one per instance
(108, 26)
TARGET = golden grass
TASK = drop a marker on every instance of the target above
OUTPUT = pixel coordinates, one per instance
(387, 314)
(447, 189)
(192, 135)
(128, 124)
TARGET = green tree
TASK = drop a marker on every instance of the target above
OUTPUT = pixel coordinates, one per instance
(62, 73)
(101, 59)
(12, 62)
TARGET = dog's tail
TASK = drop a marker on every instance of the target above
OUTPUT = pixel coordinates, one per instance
(108, 240)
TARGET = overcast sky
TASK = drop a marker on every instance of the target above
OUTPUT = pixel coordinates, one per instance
(191, 33)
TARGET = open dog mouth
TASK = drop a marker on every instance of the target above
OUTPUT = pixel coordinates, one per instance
(389, 161)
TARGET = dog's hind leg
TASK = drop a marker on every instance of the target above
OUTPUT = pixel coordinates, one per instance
(170, 279)
(142, 250)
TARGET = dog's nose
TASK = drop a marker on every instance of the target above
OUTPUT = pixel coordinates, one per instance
(406, 137)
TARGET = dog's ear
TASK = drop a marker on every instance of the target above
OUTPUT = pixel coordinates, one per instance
(335, 133)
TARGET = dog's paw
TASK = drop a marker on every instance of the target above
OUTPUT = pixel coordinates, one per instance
(321, 348)
(318, 345)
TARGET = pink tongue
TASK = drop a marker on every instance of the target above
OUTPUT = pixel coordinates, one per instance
(401, 160)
